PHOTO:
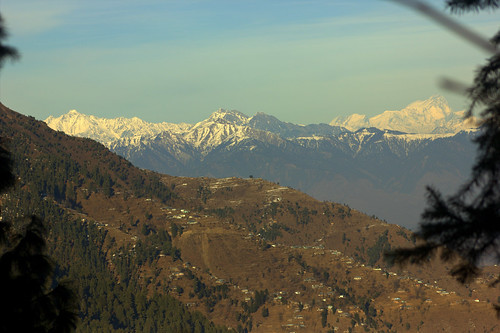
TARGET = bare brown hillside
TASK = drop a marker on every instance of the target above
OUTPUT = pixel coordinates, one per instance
(254, 255)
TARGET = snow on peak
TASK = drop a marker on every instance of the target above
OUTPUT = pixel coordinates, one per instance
(352, 122)
(106, 130)
(429, 116)
(228, 117)
(222, 125)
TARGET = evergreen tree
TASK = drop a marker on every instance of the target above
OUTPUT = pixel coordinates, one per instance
(466, 225)
(31, 301)
(6, 51)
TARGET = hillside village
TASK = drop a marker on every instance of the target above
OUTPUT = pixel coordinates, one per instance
(380, 168)
(249, 224)
(240, 254)
(298, 296)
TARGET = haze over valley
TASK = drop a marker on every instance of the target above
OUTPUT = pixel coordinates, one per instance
(156, 252)
(249, 166)
(379, 165)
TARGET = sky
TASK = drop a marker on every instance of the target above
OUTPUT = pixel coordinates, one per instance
(179, 60)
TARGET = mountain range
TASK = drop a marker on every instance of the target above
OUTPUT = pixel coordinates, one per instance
(381, 170)
(148, 252)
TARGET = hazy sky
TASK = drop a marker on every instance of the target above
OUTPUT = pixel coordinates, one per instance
(179, 60)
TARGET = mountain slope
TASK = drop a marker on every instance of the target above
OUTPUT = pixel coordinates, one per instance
(247, 253)
(382, 172)
(64, 180)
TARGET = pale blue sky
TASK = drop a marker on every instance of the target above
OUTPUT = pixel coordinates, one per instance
(179, 60)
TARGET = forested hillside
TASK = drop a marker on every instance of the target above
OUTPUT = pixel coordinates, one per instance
(380, 168)
(52, 168)
(151, 253)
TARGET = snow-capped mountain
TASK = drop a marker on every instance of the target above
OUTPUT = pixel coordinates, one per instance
(107, 130)
(379, 171)
(430, 116)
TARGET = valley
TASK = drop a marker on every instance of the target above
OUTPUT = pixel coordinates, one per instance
(240, 254)
(380, 171)
(302, 275)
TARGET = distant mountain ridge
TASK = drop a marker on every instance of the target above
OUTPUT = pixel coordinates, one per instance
(379, 171)
(107, 130)
(117, 230)
(430, 116)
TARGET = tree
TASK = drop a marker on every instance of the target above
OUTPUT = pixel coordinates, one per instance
(7, 177)
(466, 226)
(6, 52)
(31, 300)
(324, 317)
